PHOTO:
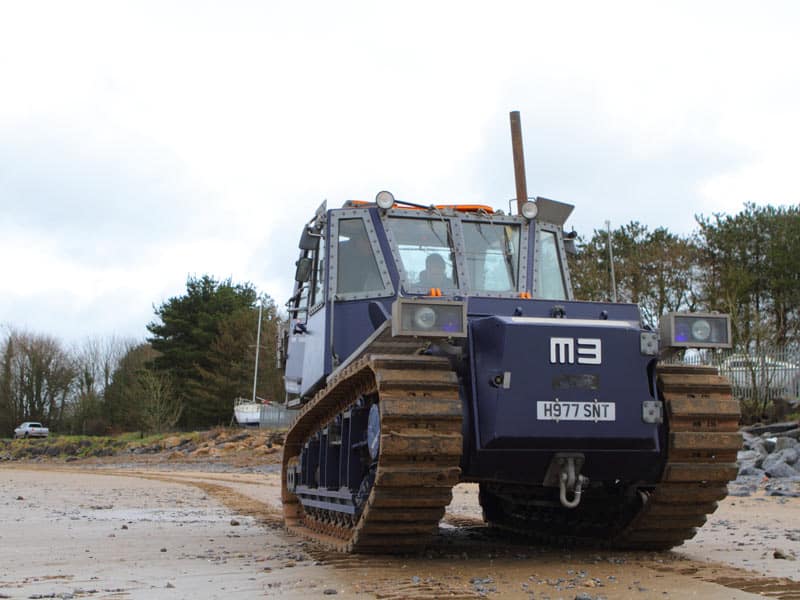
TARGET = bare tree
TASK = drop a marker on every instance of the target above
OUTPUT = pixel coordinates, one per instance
(96, 361)
(161, 407)
(38, 375)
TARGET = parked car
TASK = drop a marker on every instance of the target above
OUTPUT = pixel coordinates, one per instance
(31, 429)
(768, 375)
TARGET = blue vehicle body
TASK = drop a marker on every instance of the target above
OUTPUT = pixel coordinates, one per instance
(540, 373)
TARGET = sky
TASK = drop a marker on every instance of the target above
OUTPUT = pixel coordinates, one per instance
(145, 142)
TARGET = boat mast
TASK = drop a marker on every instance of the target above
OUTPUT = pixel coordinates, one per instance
(258, 344)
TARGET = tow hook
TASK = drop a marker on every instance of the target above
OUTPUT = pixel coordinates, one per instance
(569, 483)
(564, 472)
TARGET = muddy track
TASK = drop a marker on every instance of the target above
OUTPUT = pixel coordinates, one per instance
(703, 421)
(418, 464)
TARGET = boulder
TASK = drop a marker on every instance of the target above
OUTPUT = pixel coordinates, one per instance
(746, 456)
(783, 442)
(780, 470)
(170, 442)
(788, 456)
(771, 428)
(751, 471)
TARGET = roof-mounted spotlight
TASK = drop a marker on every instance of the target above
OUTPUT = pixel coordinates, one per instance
(384, 200)
(530, 210)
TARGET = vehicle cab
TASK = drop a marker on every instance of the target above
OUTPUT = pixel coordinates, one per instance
(355, 261)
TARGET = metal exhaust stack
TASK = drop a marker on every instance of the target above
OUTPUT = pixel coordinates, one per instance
(519, 160)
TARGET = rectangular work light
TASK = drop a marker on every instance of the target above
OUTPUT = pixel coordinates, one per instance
(429, 318)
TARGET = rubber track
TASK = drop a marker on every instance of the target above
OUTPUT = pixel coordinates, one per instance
(702, 441)
(419, 457)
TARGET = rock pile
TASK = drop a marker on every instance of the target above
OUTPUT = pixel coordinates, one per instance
(770, 457)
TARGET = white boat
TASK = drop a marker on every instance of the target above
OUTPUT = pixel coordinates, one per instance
(247, 412)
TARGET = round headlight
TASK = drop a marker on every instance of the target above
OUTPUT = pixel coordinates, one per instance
(425, 317)
(384, 200)
(701, 330)
(530, 210)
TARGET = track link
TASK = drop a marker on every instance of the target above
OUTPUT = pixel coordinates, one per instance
(420, 452)
(702, 440)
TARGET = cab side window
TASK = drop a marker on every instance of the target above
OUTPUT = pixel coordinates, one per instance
(357, 270)
(320, 264)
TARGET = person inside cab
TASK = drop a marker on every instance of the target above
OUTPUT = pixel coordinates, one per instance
(434, 275)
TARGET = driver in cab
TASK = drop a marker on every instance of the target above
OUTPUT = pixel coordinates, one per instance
(434, 275)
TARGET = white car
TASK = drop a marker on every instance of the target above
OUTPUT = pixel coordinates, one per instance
(31, 429)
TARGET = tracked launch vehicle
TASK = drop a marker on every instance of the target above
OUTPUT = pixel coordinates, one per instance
(432, 345)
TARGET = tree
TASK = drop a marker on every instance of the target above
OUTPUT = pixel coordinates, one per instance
(37, 378)
(751, 268)
(183, 335)
(656, 270)
(231, 360)
(8, 413)
(95, 361)
(161, 408)
(123, 398)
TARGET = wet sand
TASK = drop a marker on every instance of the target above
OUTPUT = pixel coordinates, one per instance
(80, 532)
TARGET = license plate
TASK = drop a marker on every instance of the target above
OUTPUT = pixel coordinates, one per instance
(575, 411)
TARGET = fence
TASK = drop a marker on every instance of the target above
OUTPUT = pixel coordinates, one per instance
(275, 416)
(761, 381)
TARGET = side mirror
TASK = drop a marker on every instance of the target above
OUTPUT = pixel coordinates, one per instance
(303, 272)
(309, 240)
(569, 242)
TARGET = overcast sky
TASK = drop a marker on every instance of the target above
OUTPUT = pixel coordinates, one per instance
(144, 142)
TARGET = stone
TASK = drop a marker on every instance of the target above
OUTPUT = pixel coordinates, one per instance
(171, 442)
(751, 471)
(771, 428)
(780, 469)
(746, 456)
(782, 493)
(788, 456)
(784, 443)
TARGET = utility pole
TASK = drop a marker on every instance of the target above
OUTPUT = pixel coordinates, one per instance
(611, 263)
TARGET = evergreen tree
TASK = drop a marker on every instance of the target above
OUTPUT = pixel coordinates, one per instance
(187, 327)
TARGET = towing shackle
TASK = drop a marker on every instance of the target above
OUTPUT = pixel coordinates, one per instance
(570, 482)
